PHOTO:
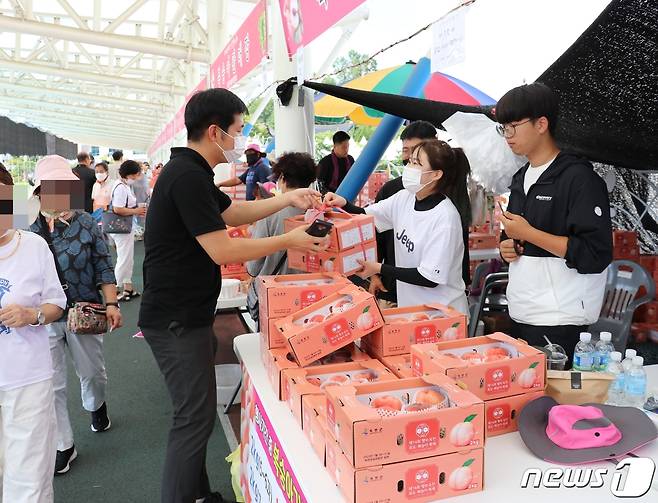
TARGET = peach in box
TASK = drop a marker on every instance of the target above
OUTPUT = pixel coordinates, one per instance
(419, 481)
(348, 230)
(278, 359)
(395, 421)
(490, 366)
(331, 323)
(415, 325)
(313, 380)
(344, 262)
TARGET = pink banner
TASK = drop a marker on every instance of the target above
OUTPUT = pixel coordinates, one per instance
(276, 456)
(305, 20)
(244, 52)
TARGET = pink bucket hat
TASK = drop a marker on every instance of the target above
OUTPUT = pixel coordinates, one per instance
(575, 434)
(52, 167)
(255, 147)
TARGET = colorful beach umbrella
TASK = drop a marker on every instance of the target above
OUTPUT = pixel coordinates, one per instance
(440, 87)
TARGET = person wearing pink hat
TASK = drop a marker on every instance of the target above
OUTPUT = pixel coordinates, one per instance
(84, 266)
(30, 297)
(257, 172)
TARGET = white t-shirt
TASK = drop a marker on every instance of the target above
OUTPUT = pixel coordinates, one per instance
(431, 241)
(533, 173)
(27, 278)
(100, 194)
(123, 195)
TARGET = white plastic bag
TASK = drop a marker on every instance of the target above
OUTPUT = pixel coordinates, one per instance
(492, 162)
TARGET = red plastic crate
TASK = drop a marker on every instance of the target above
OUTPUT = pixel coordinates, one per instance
(624, 239)
(647, 313)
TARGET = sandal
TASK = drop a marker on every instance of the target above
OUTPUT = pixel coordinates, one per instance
(127, 295)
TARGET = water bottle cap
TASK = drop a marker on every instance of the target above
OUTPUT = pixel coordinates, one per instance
(615, 356)
(585, 337)
(630, 353)
(606, 336)
(638, 361)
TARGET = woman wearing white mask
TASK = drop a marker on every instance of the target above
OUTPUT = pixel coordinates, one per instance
(100, 194)
(31, 296)
(124, 203)
(425, 218)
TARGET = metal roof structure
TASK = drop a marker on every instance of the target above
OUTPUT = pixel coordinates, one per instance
(106, 73)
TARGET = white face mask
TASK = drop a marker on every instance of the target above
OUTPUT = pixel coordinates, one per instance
(239, 145)
(412, 176)
(101, 177)
(130, 181)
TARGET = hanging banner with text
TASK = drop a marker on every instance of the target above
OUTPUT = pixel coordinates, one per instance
(244, 52)
(269, 475)
(449, 40)
(306, 20)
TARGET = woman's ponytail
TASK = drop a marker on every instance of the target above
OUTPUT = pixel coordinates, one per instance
(457, 189)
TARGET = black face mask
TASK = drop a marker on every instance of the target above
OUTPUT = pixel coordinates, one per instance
(252, 159)
(405, 162)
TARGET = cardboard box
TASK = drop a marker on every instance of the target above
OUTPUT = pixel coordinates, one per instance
(624, 239)
(330, 323)
(279, 359)
(400, 365)
(649, 262)
(415, 325)
(502, 414)
(286, 294)
(497, 366)
(300, 382)
(626, 253)
(280, 296)
(480, 241)
(647, 313)
(230, 270)
(395, 421)
(314, 422)
(418, 481)
(348, 230)
(344, 262)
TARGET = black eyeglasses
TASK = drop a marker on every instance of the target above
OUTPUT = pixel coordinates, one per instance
(509, 130)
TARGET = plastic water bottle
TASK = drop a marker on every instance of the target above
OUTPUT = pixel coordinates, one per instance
(628, 361)
(616, 391)
(602, 352)
(636, 384)
(583, 356)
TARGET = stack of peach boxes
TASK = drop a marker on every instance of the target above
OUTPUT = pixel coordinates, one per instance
(504, 372)
(239, 192)
(237, 270)
(352, 239)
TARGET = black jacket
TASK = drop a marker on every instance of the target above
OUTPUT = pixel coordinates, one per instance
(88, 177)
(571, 200)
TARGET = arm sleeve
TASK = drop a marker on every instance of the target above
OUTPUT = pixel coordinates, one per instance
(120, 196)
(354, 209)
(589, 246)
(198, 204)
(51, 288)
(384, 213)
(263, 173)
(406, 275)
(100, 257)
(243, 177)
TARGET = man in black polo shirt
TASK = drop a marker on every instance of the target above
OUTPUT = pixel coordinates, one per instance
(185, 241)
(88, 176)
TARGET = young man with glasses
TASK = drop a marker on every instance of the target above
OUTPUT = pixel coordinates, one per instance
(557, 234)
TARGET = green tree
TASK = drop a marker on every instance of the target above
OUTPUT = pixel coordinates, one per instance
(351, 67)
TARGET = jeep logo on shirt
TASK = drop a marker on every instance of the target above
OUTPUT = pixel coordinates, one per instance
(544, 198)
(404, 239)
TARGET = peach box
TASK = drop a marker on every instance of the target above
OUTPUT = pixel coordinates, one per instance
(502, 414)
(400, 365)
(488, 377)
(415, 325)
(284, 295)
(314, 422)
(277, 360)
(344, 262)
(348, 231)
(421, 480)
(234, 268)
(297, 382)
(405, 426)
(330, 323)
